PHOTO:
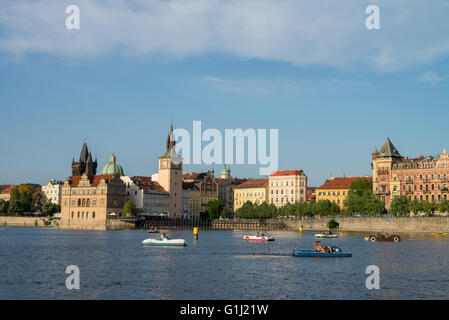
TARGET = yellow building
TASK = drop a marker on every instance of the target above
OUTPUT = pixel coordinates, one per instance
(89, 201)
(255, 191)
(336, 189)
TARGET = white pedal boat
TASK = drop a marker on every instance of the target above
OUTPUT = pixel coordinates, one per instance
(258, 237)
(324, 235)
(164, 242)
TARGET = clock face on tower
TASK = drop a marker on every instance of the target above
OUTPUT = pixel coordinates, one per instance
(164, 164)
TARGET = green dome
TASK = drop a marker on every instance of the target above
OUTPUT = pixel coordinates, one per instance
(113, 168)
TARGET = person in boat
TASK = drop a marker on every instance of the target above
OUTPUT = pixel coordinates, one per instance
(318, 246)
(164, 236)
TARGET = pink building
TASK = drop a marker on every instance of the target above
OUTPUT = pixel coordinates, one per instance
(421, 178)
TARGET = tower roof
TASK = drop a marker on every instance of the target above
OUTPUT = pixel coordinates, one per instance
(84, 153)
(170, 152)
(389, 150)
(113, 167)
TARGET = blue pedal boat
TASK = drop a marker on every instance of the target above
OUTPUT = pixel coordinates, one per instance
(313, 253)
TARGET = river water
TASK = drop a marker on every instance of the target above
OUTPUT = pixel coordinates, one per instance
(220, 265)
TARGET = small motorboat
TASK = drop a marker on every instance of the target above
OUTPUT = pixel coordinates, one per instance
(440, 233)
(326, 234)
(321, 251)
(258, 237)
(384, 238)
(164, 241)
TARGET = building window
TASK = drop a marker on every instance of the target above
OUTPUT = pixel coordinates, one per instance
(93, 215)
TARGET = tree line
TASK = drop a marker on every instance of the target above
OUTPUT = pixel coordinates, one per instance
(25, 198)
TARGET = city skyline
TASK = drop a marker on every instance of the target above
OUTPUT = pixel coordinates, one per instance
(335, 96)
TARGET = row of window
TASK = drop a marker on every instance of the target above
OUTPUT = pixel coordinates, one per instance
(334, 193)
(301, 183)
(421, 188)
(83, 202)
(82, 216)
(426, 177)
(250, 194)
(427, 198)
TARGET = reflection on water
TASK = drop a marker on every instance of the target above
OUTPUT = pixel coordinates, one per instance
(220, 265)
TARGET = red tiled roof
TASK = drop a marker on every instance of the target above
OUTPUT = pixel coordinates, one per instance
(256, 183)
(152, 185)
(230, 181)
(8, 189)
(342, 183)
(193, 176)
(94, 180)
(286, 173)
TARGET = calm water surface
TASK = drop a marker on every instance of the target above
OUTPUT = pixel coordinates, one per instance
(220, 265)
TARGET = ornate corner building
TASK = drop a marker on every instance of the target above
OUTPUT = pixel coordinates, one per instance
(423, 178)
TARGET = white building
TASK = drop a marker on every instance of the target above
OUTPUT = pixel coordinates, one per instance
(133, 192)
(52, 191)
(287, 187)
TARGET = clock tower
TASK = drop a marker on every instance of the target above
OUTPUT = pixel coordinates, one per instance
(170, 176)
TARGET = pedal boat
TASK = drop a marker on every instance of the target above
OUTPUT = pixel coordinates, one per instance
(164, 242)
(440, 234)
(313, 253)
(324, 235)
(261, 237)
(382, 238)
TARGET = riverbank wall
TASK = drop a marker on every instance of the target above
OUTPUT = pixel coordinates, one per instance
(373, 224)
(376, 224)
(11, 221)
(364, 224)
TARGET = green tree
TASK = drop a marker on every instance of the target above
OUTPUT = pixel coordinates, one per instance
(400, 205)
(15, 208)
(416, 206)
(361, 199)
(429, 207)
(225, 212)
(443, 206)
(129, 208)
(214, 208)
(3, 207)
(332, 224)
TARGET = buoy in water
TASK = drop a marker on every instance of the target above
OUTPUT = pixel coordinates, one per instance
(195, 233)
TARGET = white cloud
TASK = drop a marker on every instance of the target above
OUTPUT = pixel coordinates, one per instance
(301, 32)
(429, 77)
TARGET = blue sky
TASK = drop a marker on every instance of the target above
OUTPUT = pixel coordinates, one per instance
(310, 69)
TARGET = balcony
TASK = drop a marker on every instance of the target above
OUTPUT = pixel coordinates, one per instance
(409, 181)
(444, 190)
(386, 192)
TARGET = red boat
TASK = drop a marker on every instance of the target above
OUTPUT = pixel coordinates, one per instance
(153, 230)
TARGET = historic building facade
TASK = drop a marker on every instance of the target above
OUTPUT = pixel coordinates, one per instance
(421, 178)
(170, 176)
(288, 186)
(336, 189)
(203, 187)
(89, 200)
(255, 191)
(52, 191)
